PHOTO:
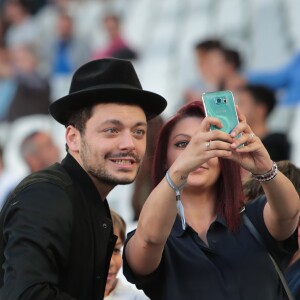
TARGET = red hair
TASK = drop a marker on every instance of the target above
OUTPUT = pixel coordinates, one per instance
(229, 184)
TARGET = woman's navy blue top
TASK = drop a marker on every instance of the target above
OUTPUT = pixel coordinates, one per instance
(233, 266)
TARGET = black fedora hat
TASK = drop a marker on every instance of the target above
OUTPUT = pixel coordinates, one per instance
(103, 81)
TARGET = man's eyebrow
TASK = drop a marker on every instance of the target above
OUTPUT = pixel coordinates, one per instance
(141, 124)
(119, 123)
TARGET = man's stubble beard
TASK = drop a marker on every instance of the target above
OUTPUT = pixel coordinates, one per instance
(108, 179)
(99, 173)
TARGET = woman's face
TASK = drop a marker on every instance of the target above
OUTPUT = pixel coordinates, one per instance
(208, 173)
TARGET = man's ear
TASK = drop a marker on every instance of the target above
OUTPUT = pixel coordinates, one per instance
(73, 138)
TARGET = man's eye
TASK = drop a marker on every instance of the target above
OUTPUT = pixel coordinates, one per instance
(181, 144)
(111, 130)
(140, 132)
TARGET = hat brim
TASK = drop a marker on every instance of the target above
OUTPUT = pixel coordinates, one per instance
(152, 103)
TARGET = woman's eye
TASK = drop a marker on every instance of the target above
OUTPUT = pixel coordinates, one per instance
(116, 250)
(181, 144)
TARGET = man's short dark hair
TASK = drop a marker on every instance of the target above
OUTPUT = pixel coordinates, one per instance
(233, 57)
(262, 95)
(79, 118)
(209, 44)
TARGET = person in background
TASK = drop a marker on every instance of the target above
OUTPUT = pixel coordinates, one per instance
(191, 241)
(39, 151)
(233, 78)
(22, 29)
(257, 103)
(31, 94)
(67, 51)
(8, 180)
(58, 218)
(253, 190)
(285, 80)
(210, 64)
(143, 183)
(3, 29)
(116, 45)
(8, 85)
(117, 289)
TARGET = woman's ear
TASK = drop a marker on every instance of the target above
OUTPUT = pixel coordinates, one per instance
(73, 138)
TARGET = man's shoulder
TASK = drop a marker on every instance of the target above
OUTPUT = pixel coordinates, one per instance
(51, 185)
(53, 175)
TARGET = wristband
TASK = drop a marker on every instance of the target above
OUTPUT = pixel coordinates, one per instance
(267, 176)
(177, 189)
(179, 205)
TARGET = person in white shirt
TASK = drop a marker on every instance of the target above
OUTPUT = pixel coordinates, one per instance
(116, 288)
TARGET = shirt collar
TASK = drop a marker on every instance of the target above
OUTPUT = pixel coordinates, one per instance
(179, 232)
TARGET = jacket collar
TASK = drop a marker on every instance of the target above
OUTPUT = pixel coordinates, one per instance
(84, 183)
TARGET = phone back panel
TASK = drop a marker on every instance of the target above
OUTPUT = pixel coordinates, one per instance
(221, 105)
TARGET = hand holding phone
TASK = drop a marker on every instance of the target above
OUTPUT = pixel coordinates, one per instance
(221, 105)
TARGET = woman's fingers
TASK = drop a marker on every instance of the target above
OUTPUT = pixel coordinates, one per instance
(244, 140)
(208, 122)
(217, 145)
(241, 116)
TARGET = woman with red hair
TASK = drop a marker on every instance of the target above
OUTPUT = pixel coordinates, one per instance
(201, 248)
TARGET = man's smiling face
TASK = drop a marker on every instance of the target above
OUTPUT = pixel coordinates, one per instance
(113, 143)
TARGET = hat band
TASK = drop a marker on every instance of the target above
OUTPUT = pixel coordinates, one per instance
(109, 86)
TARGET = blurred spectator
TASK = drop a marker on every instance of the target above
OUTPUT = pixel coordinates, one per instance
(256, 103)
(116, 43)
(3, 28)
(32, 95)
(47, 16)
(232, 78)
(253, 188)
(285, 80)
(66, 52)
(22, 29)
(8, 180)
(35, 5)
(7, 84)
(142, 185)
(39, 151)
(210, 63)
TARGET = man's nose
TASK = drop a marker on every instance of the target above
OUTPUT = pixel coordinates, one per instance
(127, 141)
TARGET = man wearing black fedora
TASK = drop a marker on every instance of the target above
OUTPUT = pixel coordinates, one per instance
(56, 229)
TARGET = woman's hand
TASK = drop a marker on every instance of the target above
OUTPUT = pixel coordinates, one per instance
(248, 149)
(203, 145)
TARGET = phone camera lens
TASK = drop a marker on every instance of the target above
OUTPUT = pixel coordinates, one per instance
(219, 100)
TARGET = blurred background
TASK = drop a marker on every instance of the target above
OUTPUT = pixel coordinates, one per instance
(180, 49)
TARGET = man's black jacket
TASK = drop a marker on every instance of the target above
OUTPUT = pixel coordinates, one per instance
(56, 237)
